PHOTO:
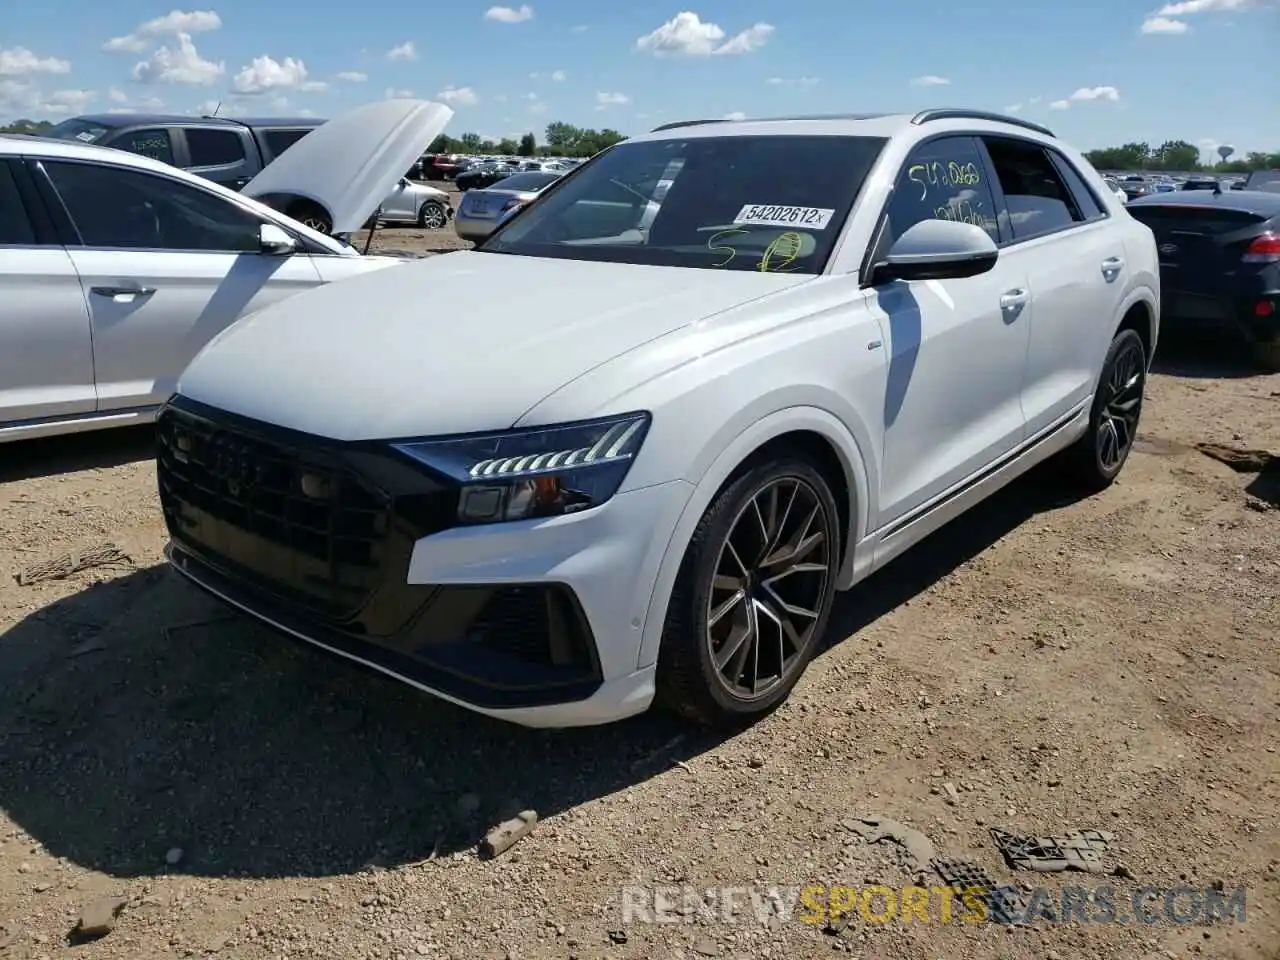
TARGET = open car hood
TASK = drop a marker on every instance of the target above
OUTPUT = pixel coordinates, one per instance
(348, 165)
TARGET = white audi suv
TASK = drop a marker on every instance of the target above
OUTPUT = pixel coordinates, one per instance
(617, 456)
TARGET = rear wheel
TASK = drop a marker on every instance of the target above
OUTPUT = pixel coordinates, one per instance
(753, 595)
(1096, 459)
(432, 216)
(312, 215)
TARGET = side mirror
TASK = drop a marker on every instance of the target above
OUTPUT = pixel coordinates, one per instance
(938, 250)
(274, 241)
(404, 181)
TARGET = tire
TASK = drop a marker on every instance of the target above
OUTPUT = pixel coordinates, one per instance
(1096, 459)
(312, 215)
(1267, 356)
(704, 619)
(432, 216)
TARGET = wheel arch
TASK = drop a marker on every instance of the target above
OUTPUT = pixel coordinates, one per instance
(823, 437)
(1139, 316)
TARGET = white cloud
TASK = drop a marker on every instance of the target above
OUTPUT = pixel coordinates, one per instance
(538, 108)
(406, 51)
(219, 108)
(265, 74)
(1013, 108)
(580, 28)
(930, 81)
(19, 97)
(1060, 105)
(1163, 25)
(68, 101)
(559, 76)
(686, 35)
(19, 62)
(127, 104)
(736, 115)
(170, 25)
(509, 14)
(1086, 94)
(398, 93)
(604, 99)
(792, 81)
(183, 65)
(458, 96)
(351, 76)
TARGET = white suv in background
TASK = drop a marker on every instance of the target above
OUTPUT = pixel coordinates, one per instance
(658, 444)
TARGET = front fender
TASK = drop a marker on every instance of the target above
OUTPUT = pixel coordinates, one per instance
(720, 465)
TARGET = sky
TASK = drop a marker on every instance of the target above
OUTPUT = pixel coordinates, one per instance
(1098, 73)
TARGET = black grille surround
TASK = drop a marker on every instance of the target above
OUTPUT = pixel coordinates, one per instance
(314, 536)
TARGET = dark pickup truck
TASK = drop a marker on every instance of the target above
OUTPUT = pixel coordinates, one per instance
(226, 151)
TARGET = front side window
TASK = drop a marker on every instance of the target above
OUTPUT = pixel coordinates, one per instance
(775, 204)
(1036, 200)
(212, 148)
(154, 143)
(129, 209)
(943, 179)
(15, 227)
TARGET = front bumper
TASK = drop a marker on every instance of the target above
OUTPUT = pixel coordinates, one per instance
(537, 622)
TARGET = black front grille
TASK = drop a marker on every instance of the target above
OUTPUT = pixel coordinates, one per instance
(298, 517)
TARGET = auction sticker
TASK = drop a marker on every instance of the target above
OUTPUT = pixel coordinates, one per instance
(766, 215)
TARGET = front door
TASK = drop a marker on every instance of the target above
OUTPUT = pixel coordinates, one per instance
(165, 267)
(957, 348)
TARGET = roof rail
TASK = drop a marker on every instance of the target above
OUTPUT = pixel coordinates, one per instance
(681, 123)
(949, 113)
(812, 116)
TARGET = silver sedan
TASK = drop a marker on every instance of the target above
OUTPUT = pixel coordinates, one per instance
(481, 211)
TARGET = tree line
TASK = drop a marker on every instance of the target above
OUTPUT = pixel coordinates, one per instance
(562, 140)
(1176, 155)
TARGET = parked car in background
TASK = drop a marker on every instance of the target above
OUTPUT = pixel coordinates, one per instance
(1136, 186)
(1200, 183)
(439, 166)
(482, 210)
(1266, 180)
(1117, 191)
(642, 467)
(484, 175)
(117, 269)
(1219, 264)
(232, 152)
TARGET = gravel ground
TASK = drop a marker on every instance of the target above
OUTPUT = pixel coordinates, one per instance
(1043, 665)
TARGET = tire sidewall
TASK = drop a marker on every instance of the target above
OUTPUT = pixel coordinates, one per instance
(422, 215)
(727, 508)
(1123, 340)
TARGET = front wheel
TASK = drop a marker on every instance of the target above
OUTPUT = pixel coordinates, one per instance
(753, 595)
(432, 216)
(1095, 460)
(312, 215)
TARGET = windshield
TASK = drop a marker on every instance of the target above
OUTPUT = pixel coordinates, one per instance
(81, 130)
(769, 203)
(529, 181)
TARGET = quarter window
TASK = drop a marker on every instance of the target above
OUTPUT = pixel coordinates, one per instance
(1036, 200)
(213, 148)
(943, 179)
(278, 141)
(1084, 197)
(128, 209)
(154, 143)
(15, 228)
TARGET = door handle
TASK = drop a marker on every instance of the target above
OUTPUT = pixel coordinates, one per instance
(124, 290)
(1013, 299)
(1111, 267)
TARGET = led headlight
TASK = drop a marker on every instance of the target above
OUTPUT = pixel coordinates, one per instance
(535, 472)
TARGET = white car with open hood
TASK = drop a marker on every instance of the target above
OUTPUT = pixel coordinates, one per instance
(116, 269)
(629, 455)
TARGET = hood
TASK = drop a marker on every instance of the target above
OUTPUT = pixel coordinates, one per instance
(349, 164)
(454, 344)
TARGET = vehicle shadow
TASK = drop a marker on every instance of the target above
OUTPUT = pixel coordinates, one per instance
(47, 456)
(140, 716)
(1203, 358)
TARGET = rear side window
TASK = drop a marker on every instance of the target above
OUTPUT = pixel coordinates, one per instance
(15, 228)
(212, 148)
(1085, 199)
(943, 179)
(154, 143)
(1036, 199)
(278, 141)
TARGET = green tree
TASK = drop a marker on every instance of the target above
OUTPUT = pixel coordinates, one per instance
(27, 127)
(562, 137)
(528, 145)
(508, 147)
(1131, 156)
(1176, 155)
(470, 142)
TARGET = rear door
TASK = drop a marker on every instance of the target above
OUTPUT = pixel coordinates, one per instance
(165, 266)
(1061, 239)
(1200, 248)
(46, 349)
(224, 155)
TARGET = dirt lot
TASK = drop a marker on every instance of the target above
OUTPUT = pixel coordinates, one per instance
(1045, 665)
